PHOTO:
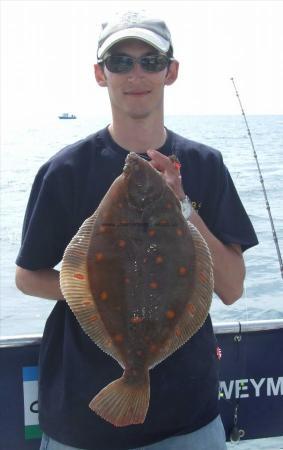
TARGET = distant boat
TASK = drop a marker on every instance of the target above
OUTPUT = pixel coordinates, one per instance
(67, 116)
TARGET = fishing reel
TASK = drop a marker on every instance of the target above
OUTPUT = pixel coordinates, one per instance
(236, 434)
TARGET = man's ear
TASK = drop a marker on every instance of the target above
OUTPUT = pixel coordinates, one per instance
(172, 73)
(99, 75)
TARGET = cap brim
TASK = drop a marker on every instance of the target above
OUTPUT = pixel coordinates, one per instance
(134, 33)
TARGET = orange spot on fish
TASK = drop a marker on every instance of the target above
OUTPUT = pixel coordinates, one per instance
(118, 338)
(182, 271)
(103, 295)
(87, 303)
(179, 232)
(151, 232)
(159, 259)
(102, 228)
(79, 276)
(94, 318)
(99, 256)
(136, 319)
(191, 309)
(153, 285)
(153, 348)
(127, 280)
(163, 222)
(170, 314)
(202, 277)
(108, 343)
(168, 205)
(122, 243)
(177, 332)
(124, 221)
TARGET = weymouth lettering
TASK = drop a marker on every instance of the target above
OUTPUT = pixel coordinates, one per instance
(251, 387)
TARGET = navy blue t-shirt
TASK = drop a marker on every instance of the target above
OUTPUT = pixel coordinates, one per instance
(184, 387)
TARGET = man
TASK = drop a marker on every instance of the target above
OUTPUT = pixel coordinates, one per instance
(135, 63)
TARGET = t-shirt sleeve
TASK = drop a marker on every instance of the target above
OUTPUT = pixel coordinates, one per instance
(232, 224)
(46, 228)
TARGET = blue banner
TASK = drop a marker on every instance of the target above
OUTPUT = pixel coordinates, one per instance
(250, 391)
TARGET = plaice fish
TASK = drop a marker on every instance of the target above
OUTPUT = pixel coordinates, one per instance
(139, 280)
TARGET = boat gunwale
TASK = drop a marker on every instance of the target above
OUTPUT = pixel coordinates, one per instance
(218, 327)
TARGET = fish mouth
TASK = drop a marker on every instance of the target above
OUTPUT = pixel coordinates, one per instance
(134, 162)
(138, 177)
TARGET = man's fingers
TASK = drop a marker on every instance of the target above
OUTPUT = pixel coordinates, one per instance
(169, 167)
(160, 162)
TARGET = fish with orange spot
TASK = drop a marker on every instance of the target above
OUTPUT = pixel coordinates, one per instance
(170, 314)
(150, 310)
(183, 271)
(159, 259)
(136, 319)
(122, 243)
(103, 295)
(79, 276)
(153, 285)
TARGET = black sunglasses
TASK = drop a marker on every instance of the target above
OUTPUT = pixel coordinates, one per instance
(124, 63)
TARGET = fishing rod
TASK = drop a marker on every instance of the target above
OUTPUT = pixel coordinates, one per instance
(262, 183)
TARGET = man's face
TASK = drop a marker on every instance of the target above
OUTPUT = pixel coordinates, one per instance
(136, 94)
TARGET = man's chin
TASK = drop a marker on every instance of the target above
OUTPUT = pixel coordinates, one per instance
(138, 115)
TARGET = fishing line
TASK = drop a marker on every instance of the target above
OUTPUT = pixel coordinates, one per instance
(262, 183)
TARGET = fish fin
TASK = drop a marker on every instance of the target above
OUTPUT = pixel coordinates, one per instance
(122, 403)
(74, 284)
(197, 308)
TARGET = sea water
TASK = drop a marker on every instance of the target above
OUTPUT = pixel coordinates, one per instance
(26, 145)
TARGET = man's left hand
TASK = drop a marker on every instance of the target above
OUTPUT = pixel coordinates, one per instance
(169, 171)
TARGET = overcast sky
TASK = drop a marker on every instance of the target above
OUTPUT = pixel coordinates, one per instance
(48, 49)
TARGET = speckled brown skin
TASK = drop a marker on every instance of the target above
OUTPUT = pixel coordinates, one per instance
(138, 244)
(138, 277)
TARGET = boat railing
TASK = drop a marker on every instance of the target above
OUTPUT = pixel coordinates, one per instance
(247, 326)
(219, 328)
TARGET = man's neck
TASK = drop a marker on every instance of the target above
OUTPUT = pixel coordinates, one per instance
(138, 135)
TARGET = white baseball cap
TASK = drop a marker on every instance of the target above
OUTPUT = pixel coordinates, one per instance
(134, 25)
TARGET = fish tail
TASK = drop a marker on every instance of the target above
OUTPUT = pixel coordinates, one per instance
(123, 403)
